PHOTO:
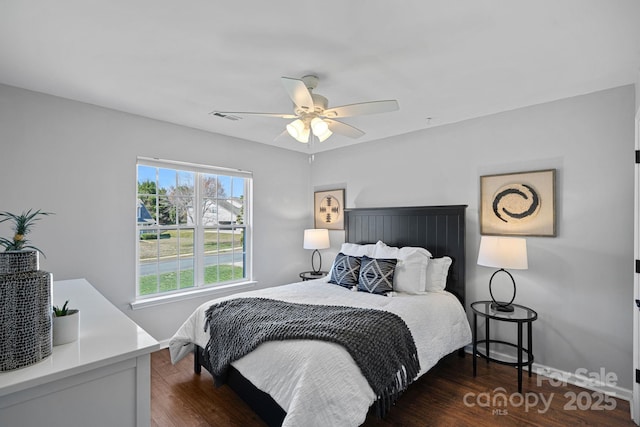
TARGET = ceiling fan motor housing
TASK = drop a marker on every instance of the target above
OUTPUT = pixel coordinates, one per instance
(310, 81)
(320, 103)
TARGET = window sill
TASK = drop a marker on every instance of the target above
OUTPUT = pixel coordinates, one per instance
(192, 293)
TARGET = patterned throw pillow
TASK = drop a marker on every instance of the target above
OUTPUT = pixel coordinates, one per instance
(345, 270)
(376, 275)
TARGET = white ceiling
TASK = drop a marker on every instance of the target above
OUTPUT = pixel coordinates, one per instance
(447, 60)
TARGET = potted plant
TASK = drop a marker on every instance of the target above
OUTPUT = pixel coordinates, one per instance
(20, 254)
(66, 324)
(25, 296)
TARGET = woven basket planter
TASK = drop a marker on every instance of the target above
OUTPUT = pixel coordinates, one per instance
(25, 310)
(13, 262)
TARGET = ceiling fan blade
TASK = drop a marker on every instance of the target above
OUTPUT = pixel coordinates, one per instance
(343, 129)
(298, 93)
(373, 107)
(226, 114)
(281, 135)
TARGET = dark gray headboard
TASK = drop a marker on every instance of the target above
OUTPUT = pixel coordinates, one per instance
(439, 229)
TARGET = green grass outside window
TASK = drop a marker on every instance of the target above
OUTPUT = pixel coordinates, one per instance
(169, 282)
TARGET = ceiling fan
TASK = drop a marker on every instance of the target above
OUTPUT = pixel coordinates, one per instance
(312, 115)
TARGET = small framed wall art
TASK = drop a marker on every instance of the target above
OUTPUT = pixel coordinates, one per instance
(329, 209)
(518, 204)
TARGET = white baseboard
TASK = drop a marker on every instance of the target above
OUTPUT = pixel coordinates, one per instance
(164, 343)
(558, 376)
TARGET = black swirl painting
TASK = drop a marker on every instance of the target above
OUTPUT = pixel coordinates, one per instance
(516, 202)
(520, 203)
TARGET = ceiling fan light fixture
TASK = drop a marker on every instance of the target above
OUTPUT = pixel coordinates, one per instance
(298, 130)
(304, 138)
(319, 126)
(295, 127)
(323, 136)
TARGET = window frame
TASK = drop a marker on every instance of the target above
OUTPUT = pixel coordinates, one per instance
(199, 287)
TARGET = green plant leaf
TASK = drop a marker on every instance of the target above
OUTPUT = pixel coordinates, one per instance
(21, 227)
(59, 312)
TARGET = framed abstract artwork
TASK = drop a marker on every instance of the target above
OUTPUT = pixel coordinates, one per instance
(329, 209)
(518, 204)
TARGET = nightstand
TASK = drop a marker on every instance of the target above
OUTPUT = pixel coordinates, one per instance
(520, 316)
(310, 275)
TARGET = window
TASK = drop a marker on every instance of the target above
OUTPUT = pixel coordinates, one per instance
(193, 227)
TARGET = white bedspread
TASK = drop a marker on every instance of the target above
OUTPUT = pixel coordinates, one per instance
(317, 383)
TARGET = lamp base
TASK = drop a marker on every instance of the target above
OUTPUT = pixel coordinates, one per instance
(316, 272)
(506, 308)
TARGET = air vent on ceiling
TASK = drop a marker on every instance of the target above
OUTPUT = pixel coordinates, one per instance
(224, 116)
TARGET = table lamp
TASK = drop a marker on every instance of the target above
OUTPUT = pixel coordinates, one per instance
(316, 238)
(502, 253)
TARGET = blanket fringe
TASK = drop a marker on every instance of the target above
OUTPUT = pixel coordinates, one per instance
(394, 390)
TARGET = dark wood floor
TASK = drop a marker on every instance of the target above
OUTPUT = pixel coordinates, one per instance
(447, 395)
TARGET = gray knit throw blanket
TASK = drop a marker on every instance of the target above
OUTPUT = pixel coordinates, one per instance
(379, 342)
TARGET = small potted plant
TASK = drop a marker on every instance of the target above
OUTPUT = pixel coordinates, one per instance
(19, 254)
(66, 324)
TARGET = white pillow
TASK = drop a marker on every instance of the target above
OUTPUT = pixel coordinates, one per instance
(383, 251)
(411, 270)
(437, 272)
(353, 249)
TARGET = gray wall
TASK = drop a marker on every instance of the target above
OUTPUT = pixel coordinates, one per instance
(79, 161)
(581, 282)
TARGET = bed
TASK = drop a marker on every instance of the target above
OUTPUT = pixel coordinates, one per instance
(317, 382)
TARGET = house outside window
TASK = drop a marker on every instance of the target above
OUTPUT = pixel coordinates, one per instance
(193, 227)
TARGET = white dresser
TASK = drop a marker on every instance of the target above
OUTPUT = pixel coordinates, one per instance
(103, 379)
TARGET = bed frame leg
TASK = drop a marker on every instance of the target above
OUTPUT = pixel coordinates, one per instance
(461, 352)
(197, 367)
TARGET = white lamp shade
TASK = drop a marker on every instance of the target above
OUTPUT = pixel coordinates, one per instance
(324, 135)
(319, 126)
(304, 136)
(298, 130)
(316, 238)
(503, 252)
